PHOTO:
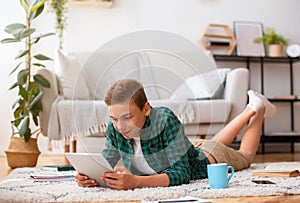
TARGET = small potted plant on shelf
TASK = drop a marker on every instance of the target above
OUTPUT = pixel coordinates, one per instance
(274, 41)
(23, 150)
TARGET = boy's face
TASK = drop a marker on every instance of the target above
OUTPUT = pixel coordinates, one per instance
(128, 119)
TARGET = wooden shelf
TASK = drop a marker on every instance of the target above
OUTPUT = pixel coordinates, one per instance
(292, 135)
(91, 3)
(259, 59)
(283, 133)
(217, 34)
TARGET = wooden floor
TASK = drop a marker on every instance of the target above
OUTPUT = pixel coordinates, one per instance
(59, 160)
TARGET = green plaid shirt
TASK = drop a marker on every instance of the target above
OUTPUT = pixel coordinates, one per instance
(164, 145)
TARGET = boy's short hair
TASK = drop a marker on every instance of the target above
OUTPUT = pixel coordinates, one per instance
(125, 91)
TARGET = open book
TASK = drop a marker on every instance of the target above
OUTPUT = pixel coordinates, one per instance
(282, 169)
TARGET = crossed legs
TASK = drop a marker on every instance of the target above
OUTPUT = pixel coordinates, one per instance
(253, 115)
(251, 137)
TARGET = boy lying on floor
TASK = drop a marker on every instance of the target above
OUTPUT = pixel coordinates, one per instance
(153, 148)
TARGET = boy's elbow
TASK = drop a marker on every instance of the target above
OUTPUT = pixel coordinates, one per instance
(179, 180)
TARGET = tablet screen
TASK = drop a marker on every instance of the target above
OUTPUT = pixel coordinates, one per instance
(91, 164)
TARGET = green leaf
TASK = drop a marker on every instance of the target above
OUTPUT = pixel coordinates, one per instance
(12, 28)
(9, 40)
(27, 135)
(34, 88)
(44, 35)
(271, 37)
(35, 120)
(21, 54)
(37, 108)
(35, 111)
(18, 119)
(36, 8)
(18, 112)
(13, 86)
(15, 68)
(39, 65)
(36, 99)
(23, 93)
(36, 39)
(22, 105)
(16, 102)
(36, 13)
(42, 57)
(24, 5)
(36, 5)
(41, 80)
(22, 76)
(25, 33)
(24, 126)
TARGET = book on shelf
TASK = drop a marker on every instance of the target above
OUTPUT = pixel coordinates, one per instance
(282, 169)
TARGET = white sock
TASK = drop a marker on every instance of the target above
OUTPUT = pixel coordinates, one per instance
(270, 108)
(255, 102)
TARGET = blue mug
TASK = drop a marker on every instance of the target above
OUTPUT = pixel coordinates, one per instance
(218, 175)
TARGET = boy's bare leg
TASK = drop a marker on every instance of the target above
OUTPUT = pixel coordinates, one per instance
(234, 127)
(231, 130)
(258, 104)
(251, 137)
(254, 113)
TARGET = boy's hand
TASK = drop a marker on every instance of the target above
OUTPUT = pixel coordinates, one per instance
(121, 169)
(119, 180)
(85, 181)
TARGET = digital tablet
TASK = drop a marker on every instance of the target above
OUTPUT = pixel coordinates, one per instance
(91, 164)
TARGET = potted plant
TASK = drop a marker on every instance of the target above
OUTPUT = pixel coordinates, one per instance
(274, 41)
(23, 150)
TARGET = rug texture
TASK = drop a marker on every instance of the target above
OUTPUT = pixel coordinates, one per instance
(18, 188)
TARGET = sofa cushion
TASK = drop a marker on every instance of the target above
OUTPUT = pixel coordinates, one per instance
(208, 85)
(211, 111)
(71, 77)
(197, 111)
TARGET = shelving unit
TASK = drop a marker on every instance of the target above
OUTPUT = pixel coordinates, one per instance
(291, 136)
(91, 3)
(217, 38)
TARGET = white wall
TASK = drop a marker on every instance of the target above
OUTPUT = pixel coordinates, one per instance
(88, 28)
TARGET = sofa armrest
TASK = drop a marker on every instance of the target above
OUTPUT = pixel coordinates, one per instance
(237, 85)
(50, 94)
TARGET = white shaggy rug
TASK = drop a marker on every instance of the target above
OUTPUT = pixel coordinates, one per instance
(18, 188)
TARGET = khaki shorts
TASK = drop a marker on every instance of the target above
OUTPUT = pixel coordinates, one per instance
(224, 154)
